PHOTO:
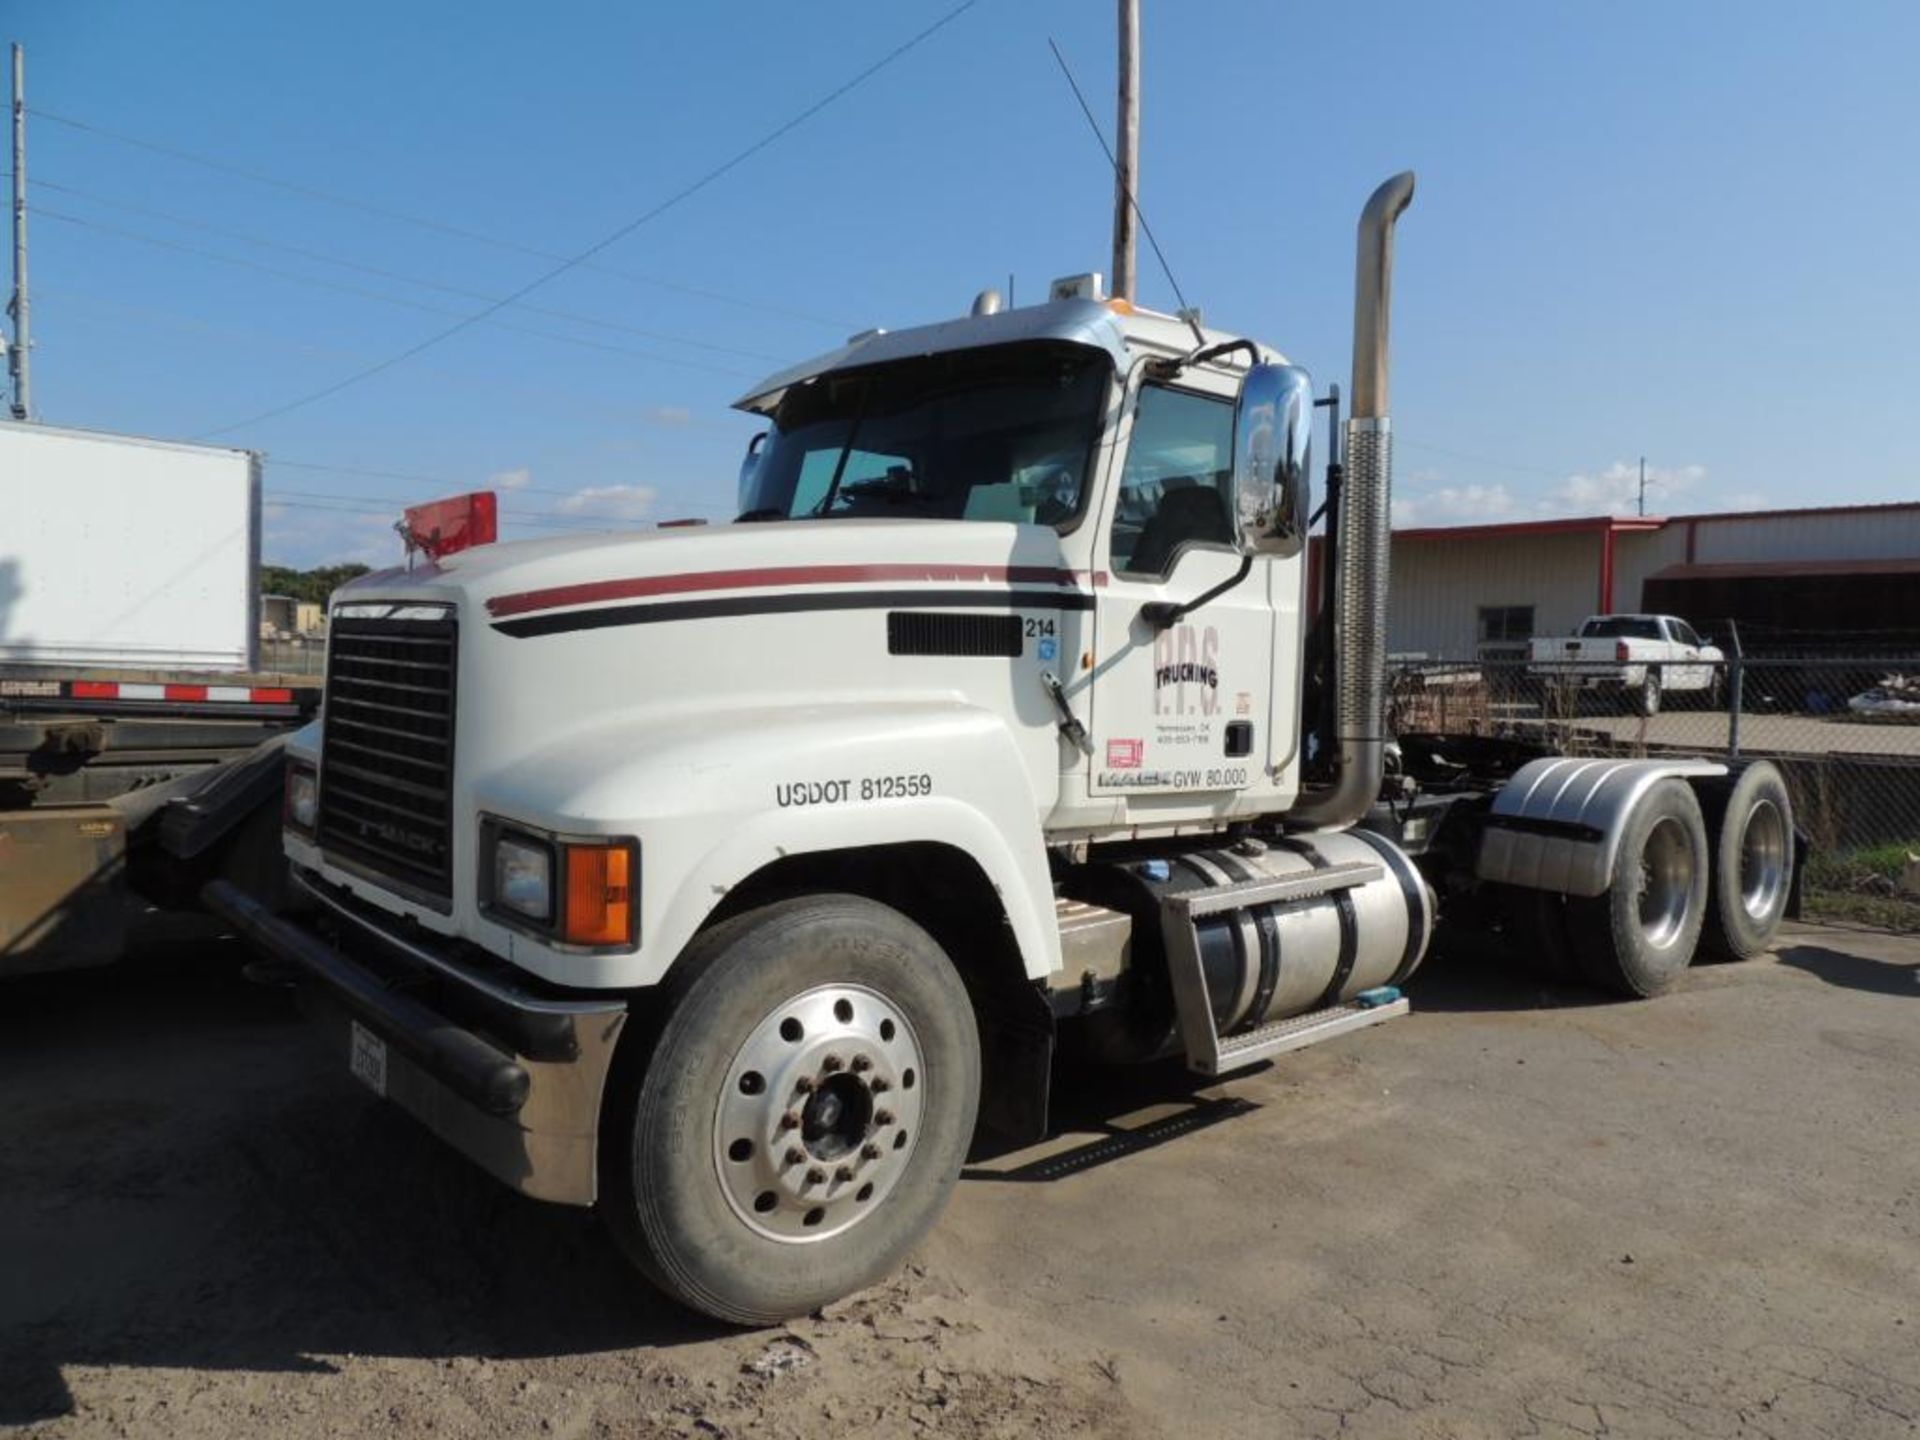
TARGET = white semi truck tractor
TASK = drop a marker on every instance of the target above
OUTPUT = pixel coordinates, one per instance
(728, 879)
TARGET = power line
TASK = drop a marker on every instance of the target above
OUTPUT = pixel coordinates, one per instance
(1482, 460)
(426, 223)
(1186, 311)
(406, 477)
(459, 486)
(553, 518)
(372, 512)
(78, 304)
(323, 258)
(685, 193)
(312, 499)
(42, 213)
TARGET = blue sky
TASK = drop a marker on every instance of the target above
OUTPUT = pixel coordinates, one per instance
(1683, 230)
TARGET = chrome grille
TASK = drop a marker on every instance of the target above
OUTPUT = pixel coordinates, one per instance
(386, 757)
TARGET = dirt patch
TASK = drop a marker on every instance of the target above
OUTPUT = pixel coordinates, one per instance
(1520, 1211)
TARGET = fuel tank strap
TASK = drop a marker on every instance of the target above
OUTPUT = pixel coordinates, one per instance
(1349, 921)
(1268, 932)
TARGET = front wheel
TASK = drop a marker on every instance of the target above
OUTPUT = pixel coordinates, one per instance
(802, 1119)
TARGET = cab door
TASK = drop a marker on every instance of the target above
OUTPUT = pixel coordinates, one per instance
(1177, 711)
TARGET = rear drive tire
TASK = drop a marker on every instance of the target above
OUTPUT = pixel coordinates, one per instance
(1750, 819)
(1639, 937)
(802, 1118)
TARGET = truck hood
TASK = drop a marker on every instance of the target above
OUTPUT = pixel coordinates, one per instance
(536, 585)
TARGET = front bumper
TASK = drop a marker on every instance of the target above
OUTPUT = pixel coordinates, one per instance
(509, 1076)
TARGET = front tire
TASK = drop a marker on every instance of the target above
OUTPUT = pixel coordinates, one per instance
(1639, 937)
(802, 1118)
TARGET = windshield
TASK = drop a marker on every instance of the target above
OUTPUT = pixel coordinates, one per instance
(999, 434)
(1622, 627)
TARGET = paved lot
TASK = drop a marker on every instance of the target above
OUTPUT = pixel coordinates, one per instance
(1518, 1212)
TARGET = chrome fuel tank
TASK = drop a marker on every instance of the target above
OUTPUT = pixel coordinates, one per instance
(1272, 961)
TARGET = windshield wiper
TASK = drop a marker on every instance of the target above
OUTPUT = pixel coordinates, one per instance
(764, 512)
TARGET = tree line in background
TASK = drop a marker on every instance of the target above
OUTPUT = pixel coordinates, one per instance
(316, 584)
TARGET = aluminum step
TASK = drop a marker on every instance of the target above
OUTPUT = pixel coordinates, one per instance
(1297, 1033)
(1274, 890)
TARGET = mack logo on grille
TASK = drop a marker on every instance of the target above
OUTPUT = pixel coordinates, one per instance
(386, 761)
(400, 836)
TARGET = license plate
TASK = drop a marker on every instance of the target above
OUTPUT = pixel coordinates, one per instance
(367, 1058)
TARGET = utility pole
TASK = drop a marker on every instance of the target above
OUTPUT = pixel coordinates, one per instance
(1126, 183)
(20, 354)
(1643, 484)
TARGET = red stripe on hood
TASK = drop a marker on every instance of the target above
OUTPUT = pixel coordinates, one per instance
(642, 586)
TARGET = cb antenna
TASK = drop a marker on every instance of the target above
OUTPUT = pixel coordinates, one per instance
(1186, 311)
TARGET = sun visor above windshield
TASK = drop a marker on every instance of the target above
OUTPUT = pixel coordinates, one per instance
(1078, 322)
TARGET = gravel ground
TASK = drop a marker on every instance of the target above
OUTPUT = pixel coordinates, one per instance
(1519, 1212)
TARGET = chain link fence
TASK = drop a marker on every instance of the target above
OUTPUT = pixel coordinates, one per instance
(294, 655)
(1843, 728)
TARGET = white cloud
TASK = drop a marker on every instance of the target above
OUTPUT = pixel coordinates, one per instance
(1455, 505)
(610, 502)
(511, 479)
(670, 415)
(1614, 490)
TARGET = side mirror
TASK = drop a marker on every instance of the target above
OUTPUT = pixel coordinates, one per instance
(1272, 452)
(749, 466)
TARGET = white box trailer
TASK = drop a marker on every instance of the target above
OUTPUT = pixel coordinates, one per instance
(129, 632)
(122, 552)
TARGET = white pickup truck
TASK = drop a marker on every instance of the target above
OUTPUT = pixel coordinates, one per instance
(1645, 656)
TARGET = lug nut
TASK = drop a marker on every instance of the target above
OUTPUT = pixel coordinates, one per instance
(843, 1174)
(790, 1121)
(861, 1064)
(816, 1176)
(877, 1085)
(830, 1064)
(869, 1151)
(795, 1155)
(883, 1117)
(804, 1084)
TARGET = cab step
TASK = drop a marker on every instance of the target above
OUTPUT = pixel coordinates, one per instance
(1299, 1032)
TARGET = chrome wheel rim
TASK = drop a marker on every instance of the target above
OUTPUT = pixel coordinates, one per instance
(1666, 882)
(820, 1114)
(1763, 860)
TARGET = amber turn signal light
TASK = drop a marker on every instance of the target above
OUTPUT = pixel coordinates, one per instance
(600, 899)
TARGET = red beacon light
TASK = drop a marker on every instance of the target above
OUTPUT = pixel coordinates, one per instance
(446, 527)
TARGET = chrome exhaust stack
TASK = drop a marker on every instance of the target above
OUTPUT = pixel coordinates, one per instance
(1364, 544)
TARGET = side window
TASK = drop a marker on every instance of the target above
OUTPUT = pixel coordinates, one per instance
(1505, 624)
(1683, 633)
(1176, 487)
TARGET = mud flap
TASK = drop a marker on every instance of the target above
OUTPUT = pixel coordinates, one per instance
(1016, 1067)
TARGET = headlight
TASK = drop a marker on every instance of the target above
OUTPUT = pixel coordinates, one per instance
(303, 798)
(573, 891)
(523, 877)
